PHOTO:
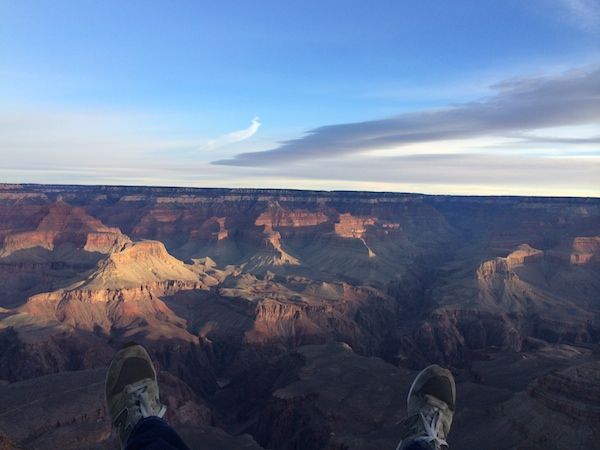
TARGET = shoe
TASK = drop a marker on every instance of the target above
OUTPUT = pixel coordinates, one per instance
(430, 407)
(131, 390)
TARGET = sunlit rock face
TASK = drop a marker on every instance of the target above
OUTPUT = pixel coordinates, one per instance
(352, 227)
(64, 224)
(585, 250)
(288, 319)
(278, 217)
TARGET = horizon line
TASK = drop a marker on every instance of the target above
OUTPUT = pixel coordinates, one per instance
(3, 186)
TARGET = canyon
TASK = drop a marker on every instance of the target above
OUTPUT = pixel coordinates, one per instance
(283, 319)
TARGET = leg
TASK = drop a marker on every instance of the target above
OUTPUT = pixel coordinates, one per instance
(430, 407)
(133, 402)
(417, 446)
(153, 433)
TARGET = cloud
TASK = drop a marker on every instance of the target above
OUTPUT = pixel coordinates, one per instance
(233, 137)
(558, 140)
(585, 14)
(492, 170)
(75, 148)
(473, 174)
(518, 106)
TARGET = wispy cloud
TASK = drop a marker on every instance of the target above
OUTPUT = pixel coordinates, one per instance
(557, 140)
(233, 137)
(75, 148)
(519, 105)
(585, 14)
(122, 147)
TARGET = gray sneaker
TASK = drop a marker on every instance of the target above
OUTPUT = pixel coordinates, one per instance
(430, 407)
(131, 390)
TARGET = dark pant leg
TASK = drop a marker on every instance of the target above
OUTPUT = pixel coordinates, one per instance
(417, 446)
(153, 433)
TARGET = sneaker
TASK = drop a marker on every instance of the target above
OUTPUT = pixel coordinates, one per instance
(131, 390)
(430, 407)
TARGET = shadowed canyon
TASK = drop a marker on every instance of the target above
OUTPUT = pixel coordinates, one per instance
(283, 319)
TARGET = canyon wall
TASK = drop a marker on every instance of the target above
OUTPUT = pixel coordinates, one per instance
(231, 287)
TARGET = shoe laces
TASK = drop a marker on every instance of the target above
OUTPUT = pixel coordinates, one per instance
(138, 397)
(431, 426)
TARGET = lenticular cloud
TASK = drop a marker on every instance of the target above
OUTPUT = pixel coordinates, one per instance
(520, 105)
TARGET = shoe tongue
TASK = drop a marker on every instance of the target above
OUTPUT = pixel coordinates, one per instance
(435, 403)
(143, 401)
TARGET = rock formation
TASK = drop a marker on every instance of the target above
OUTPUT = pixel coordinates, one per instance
(573, 391)
(299, 318)
(349, 226)
(271, 255)
(277, 216)
(139, 264)
(585, 250)
(125, 289)
(65, 224)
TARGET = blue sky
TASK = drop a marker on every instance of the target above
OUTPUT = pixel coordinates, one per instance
(421, 96)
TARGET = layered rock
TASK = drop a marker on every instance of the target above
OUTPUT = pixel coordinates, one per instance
(66, 244)
(139, 264)
(66, 224)
(222, 233)
(20, 241)
(522, 255)
(124, 293)
(104, 241)
(293, 313)
(32, 347)
(349, 226)
(509, 300)
(573, 391)
(212, 229)
(585, 250)
(558, 409)
(271, 254)
(50, 411)
(278, 217)
(321, 396)
(273, 239)
(453, 337)
(499, 283)
(136, 309)
(410, 278)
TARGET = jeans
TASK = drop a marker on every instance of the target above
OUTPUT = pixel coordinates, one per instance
(419, 445)
(153, 433)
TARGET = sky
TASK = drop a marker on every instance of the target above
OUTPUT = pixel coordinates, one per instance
(487, 97)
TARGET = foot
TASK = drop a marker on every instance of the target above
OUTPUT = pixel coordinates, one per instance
(430, 407)
(131, 390)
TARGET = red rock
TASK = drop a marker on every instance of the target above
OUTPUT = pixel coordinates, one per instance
(585, 250)
(429, 287)
(349, 226)
(278, 217)
(66, 224)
